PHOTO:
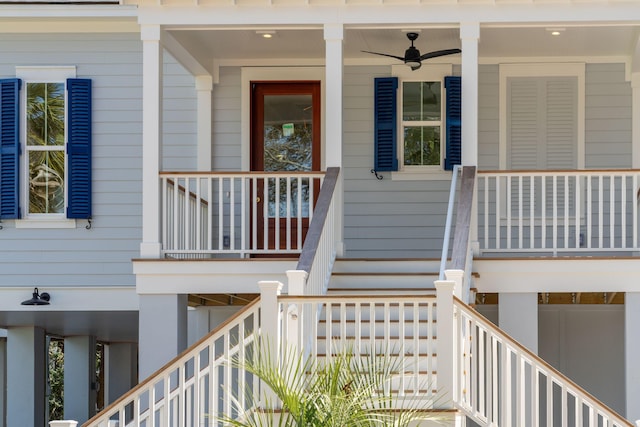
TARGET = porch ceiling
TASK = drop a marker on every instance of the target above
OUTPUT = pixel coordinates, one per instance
(291, 45)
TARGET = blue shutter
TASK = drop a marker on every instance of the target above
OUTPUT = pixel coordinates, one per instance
(79, 148)
(453, 123)
(385, 124)
(9, 148)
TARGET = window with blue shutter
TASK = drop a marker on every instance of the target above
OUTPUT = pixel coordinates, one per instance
(9, 149)
(79, 148)
(385, 124)
(453, 124)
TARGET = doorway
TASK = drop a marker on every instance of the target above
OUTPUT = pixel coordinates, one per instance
(285, 137)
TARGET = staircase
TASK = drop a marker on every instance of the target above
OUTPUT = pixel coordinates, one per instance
(453, 359)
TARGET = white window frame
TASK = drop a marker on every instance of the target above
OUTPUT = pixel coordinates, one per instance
(41, 74)
(426, 73)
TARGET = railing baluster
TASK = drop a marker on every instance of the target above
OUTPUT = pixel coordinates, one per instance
(612, 211)
(600, 211)
(485, 180)
(543, 212)
(532, 212)
(520, 210)
(221, 193)
(578, 219)
(623, 211)
(566, 212)
(555, 214)
(288, 212)
(634, 205)
(299, 214)
(498, 203)
(509, 190)
(589, 210)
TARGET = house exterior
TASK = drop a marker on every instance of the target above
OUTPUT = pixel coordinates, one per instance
(160, 158)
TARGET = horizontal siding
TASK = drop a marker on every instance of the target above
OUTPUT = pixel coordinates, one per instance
(607, 117)
(179, 144)
(383, 218)
(226, 106)
(488, 116)
(101, 255)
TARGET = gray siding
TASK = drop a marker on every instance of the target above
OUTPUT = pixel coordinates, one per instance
(179, 144)
(101, 255)
(384, 218)
(488, 117)
(226, 121)
(607, 117)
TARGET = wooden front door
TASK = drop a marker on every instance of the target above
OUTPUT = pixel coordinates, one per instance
(285, 137)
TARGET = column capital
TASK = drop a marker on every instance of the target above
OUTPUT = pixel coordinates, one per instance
(333, 32)
(150, 32)
(469, 30)
(204, 82)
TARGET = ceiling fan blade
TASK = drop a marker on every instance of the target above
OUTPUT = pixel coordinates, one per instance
(437, 53)
(384, 54)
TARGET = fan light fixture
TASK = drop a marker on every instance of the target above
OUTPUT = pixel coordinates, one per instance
(412, 56)
(37, 298)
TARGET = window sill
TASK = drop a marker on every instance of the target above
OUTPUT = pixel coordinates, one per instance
(436, 175)
(46, 223)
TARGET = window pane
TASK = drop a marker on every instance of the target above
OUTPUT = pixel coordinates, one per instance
(45, 114)
(288, 132)
(421, 101)
(46, 181)
(421, 145)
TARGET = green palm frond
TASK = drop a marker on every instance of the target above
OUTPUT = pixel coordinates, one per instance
(346, 390)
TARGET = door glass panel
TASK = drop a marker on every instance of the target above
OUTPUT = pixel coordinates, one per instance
(288, 147)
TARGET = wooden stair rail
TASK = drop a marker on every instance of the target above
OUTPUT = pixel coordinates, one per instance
(460, 249)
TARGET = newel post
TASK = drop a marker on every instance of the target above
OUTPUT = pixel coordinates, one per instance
(270, 322)
(446, 341)
(297, 280)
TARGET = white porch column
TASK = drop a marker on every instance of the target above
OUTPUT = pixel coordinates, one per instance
(518, 317)
(204, 84)
(632, 350)
(635, 120)
(151, 139)
(80, 394)
(26, 376)
(334, 39)
(162, 330)
(469, 36)
(121, 360)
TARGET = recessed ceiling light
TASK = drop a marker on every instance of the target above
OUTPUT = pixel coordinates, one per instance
(266, 34)
(555, 31)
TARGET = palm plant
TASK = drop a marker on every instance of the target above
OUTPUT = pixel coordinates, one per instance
(348, 390)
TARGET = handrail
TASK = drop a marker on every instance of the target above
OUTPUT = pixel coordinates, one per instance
(472, 397)
(447, 227)
(251, 309)
(320, 213)
(460, 250)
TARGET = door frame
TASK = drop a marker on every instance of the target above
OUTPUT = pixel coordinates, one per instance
(249, 74)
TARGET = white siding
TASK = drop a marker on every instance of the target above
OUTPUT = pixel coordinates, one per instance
(102, 255)
(488, 116)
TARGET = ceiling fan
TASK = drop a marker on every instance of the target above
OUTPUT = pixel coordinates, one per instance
(412, 55)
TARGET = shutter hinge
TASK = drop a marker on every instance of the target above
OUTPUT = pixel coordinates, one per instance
(379, 177)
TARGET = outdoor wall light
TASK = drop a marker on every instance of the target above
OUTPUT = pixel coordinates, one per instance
(37, 299)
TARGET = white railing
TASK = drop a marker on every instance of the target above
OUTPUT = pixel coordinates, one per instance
(236, 213)
(196, 388)
(315, 265)
(558, 211)
(398, 326)
(501, 383)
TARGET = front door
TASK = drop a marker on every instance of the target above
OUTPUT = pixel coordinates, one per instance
(285, 137)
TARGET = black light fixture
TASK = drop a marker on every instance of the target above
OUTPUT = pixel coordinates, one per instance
(37, 299)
